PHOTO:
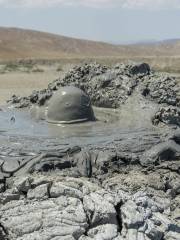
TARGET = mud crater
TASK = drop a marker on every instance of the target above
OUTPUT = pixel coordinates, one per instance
(115, 178)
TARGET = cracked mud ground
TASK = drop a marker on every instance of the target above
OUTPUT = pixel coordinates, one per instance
(124, 187)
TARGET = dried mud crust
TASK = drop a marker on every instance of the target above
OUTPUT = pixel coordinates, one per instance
(47, 207)
(126, 189)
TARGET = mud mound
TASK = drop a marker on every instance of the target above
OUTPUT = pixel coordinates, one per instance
(111, 87)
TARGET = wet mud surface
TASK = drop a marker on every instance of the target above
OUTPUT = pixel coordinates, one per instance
(116, 178)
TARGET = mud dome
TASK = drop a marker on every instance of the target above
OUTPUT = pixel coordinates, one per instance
(69, 105)
(116, 179)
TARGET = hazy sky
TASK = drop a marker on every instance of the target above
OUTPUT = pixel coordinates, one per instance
(115, 21)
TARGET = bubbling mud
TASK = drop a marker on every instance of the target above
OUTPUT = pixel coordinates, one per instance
(69, 105)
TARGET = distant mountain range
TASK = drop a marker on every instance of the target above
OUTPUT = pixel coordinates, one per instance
(151, 42)
(18, 43)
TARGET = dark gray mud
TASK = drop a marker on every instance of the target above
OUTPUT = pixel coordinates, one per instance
(116, 178)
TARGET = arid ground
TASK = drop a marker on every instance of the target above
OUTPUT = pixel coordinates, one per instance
(23, 83)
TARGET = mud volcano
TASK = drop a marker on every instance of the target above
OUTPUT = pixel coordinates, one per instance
(70, 105)
(123, 184)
